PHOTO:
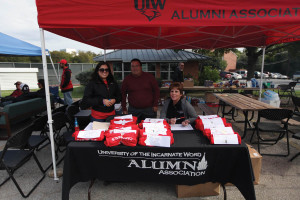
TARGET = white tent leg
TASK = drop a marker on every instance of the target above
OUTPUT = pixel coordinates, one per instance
(104, 58)
(54, 68)
(50, 121)
(261, 73)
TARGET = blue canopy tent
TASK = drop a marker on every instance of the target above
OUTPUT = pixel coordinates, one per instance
(15, 47)
(10, 46)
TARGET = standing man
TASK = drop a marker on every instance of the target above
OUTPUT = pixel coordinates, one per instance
(142, 90)
(66, 85)
(178, 73)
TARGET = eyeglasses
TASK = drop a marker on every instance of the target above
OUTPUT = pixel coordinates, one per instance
(103, 70)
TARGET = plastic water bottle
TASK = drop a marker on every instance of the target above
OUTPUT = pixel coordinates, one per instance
(76, 126)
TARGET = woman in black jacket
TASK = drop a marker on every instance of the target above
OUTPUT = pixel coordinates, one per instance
(101, 93)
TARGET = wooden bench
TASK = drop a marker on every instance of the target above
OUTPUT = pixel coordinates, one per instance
(206, 109)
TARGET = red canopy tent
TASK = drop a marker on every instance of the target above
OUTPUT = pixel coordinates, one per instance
(170, 24)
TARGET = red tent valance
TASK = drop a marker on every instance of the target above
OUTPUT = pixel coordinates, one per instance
(172, 24)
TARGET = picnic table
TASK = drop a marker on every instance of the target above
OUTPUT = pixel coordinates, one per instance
(243, 103)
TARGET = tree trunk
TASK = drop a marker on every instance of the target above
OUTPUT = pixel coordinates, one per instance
(252, 59)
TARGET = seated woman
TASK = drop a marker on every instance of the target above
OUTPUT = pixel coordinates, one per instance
(101, 93)
(176, 109)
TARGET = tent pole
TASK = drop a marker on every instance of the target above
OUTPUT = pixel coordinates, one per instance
(104, 58)
(53, 68)
(50, 121)
(262, 72)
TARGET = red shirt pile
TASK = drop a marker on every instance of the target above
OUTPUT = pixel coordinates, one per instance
(122, 130)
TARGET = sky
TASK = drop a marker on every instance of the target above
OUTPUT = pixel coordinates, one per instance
(18, 18)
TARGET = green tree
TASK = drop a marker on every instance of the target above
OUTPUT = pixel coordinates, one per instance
(84, 57)
(209, 73)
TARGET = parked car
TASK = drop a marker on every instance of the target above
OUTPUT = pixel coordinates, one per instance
(235, 76)
(225, 75)
(296, 76)
(284, 76)
(243, 73)
(281, 76)
(273, 75)
(257, 75)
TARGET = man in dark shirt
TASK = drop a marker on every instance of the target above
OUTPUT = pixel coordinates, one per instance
(66, 85)
(31, 95)
(142, 90)
(178, 73)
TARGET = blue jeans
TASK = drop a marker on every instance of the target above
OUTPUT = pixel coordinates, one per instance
(97, 120)
(68, 98)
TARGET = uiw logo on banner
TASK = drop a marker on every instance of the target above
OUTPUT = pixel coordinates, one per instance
(149, 8)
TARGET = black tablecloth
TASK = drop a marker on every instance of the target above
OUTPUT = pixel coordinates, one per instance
(190, 160)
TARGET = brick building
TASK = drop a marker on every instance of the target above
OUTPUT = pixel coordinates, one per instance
(231, 59)
(161, 63)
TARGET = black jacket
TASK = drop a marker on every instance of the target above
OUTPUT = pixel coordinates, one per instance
(96, 91)
(31, 95)
(178, 75)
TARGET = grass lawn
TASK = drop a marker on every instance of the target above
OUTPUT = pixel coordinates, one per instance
(78, 93)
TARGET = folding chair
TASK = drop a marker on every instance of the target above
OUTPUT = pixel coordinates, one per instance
(60, 139)
(40, 125)
(273, 124)
(15, 154)
(70, 112)
(296, 136)
(296, 102)
(286, 92)
(55, 92)
(292, 86)
(60, 109)
(59, 122)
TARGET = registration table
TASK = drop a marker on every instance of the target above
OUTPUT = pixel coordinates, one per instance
(190, 160)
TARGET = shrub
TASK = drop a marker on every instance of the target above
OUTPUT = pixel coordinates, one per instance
(208, 73)
(84, 77)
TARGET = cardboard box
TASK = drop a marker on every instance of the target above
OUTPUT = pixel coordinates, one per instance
(188, 83)
(210, 98)
(199, 190)
(256, 160)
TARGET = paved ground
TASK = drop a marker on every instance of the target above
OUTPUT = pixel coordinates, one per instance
(280, 179)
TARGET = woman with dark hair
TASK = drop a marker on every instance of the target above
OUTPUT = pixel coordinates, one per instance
(176, 109)
(101, 93)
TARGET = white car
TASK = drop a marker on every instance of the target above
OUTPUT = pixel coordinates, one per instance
(281, 76)
(243, 73)
(257, 75)
(235, 76)
(274, 75)
(284, 76)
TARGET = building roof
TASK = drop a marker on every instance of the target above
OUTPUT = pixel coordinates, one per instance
(151, 55)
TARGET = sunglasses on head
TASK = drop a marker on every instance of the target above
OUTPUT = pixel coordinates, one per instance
(103, 70)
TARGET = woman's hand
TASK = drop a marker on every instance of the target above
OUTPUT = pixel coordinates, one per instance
(109, 102)
(185, 122)
(172, 121)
